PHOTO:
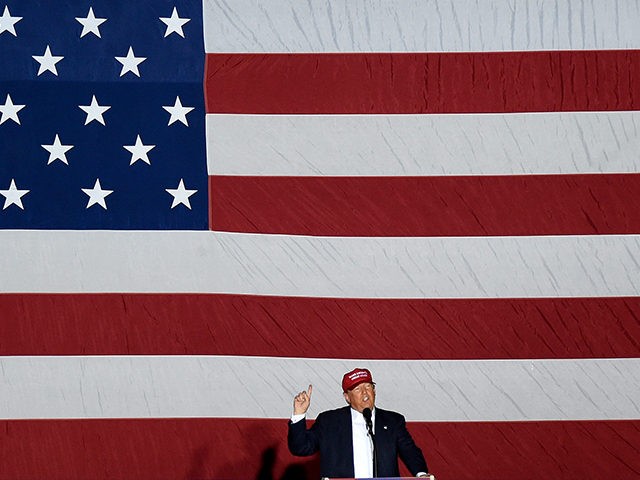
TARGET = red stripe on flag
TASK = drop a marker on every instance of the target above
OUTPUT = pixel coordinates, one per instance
(427, 206)
(175, 324)
(372, 83)
(256, 448)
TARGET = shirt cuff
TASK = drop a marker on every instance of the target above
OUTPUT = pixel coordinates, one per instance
(296, 418)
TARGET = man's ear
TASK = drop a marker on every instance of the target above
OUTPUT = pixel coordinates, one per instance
(346, 398)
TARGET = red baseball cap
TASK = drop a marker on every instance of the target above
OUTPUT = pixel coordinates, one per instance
(356, 377)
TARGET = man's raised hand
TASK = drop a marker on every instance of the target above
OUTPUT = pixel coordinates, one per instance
(302, 401)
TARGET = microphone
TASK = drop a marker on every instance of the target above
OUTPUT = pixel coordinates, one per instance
(367, 418)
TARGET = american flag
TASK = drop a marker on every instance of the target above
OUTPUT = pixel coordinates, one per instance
(210, 205)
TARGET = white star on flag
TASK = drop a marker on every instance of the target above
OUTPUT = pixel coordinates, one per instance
(13, 196)
(130, 63)
(181, 195)
(178, 112)
(97, 195)
(90, 24)
(57, 151)
(10, 111)
(7, 22)
(174, 23)
(94, 111)
(47, 62)
(139, 151)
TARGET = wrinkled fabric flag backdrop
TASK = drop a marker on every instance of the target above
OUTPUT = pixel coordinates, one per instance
(210, 205)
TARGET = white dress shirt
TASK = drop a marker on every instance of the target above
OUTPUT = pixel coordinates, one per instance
(362, 444)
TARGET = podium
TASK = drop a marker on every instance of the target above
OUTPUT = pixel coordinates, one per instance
(428, 477)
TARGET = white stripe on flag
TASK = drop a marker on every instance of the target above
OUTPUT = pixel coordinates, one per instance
(259, 387)
(416, 25)
(427, 267)
(399, 145)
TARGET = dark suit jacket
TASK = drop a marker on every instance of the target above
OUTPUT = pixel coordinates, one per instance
(331, 436)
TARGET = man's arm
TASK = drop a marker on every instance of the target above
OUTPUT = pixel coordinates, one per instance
(301, 442)
(409, 452)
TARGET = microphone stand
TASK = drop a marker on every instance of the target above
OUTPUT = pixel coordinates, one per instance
(367, 417)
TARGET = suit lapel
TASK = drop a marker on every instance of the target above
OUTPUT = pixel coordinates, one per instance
(383, 437)
(381, 428)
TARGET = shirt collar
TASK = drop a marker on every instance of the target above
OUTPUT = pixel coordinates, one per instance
(358, 418)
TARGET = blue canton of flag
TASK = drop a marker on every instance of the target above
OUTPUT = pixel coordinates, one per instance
(102, 119)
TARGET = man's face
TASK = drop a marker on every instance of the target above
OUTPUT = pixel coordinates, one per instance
(361, 396)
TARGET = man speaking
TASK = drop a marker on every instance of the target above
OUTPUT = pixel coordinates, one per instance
(359, 440)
